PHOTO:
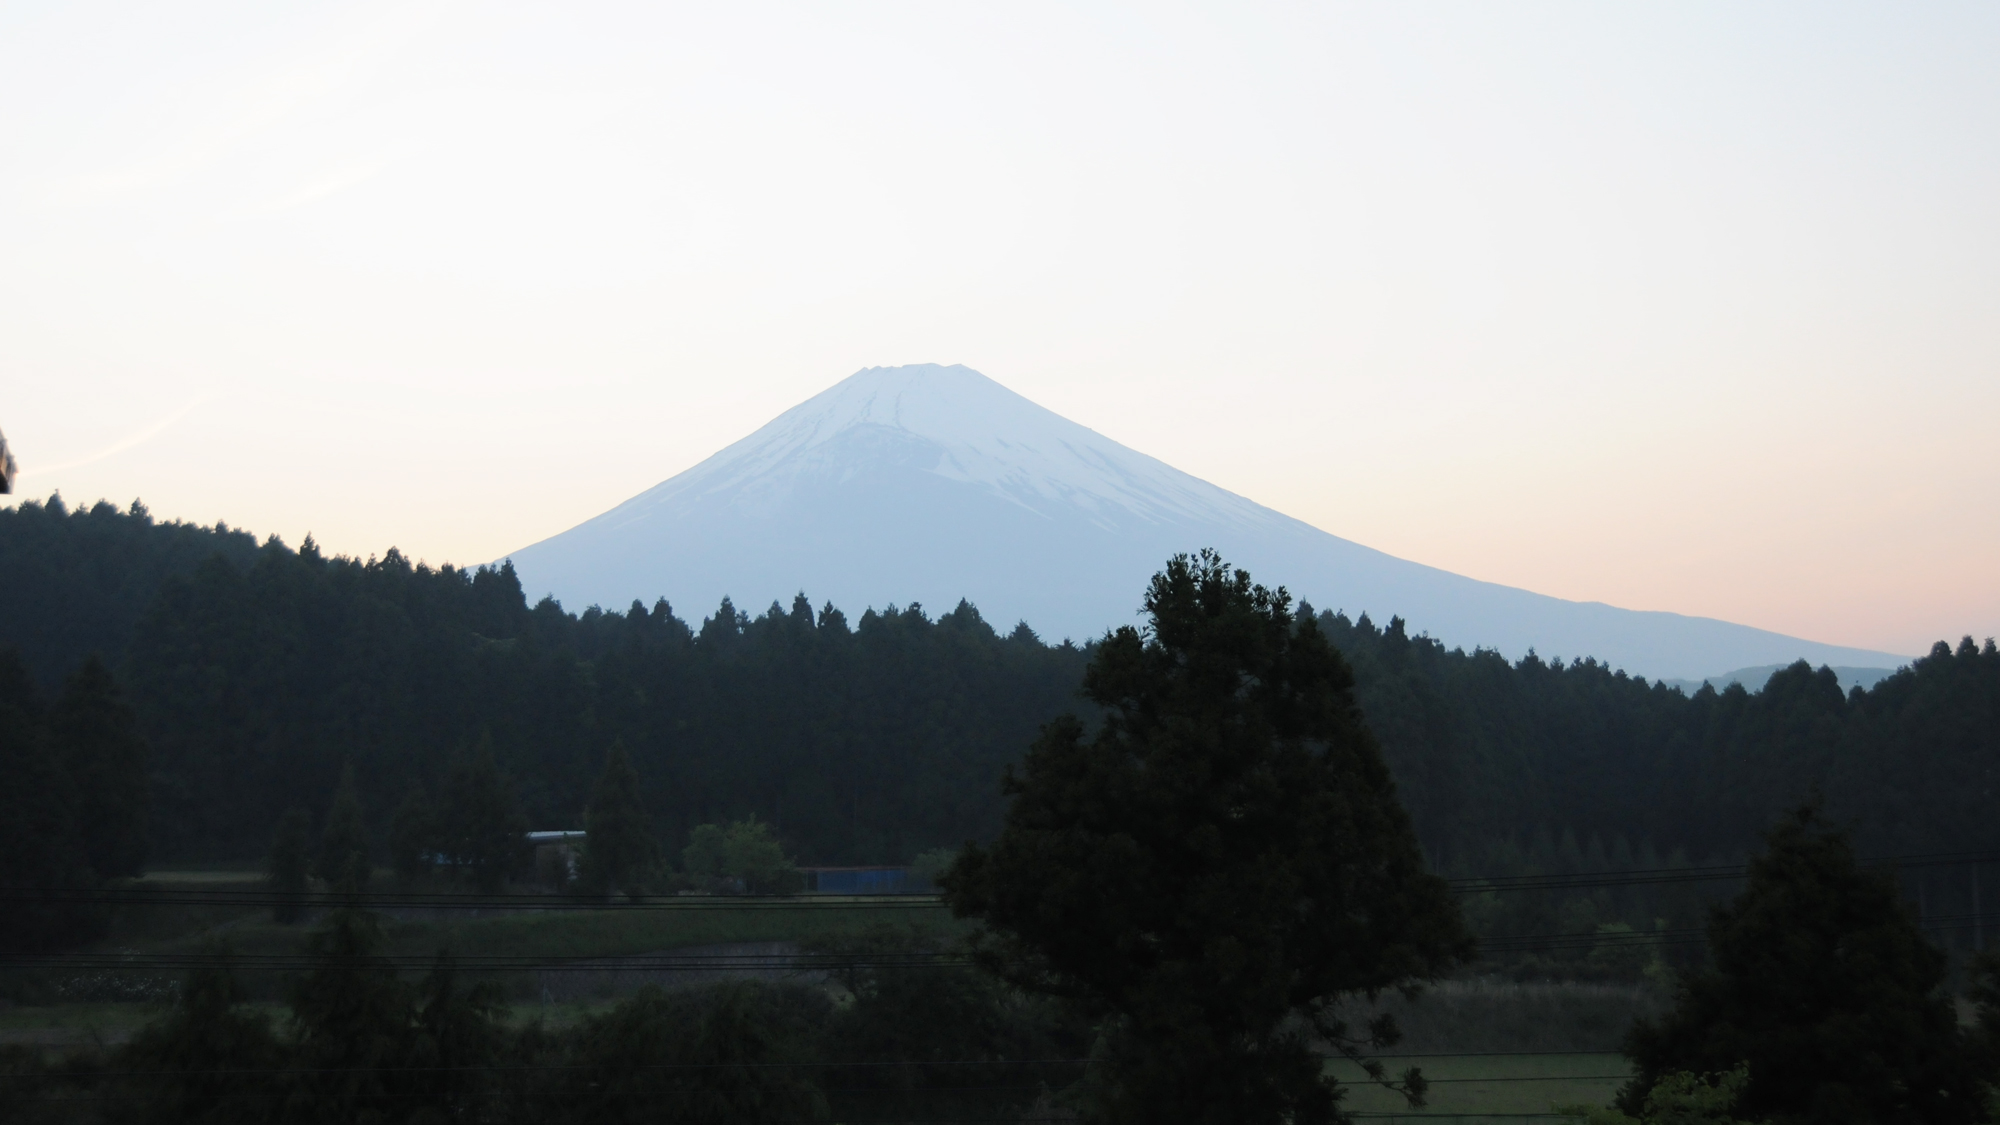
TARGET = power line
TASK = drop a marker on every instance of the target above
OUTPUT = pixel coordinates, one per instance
(1571, 941)
(510, 1067)
(144, 896)
(785, 1065)
(488, 962)
(1656, 875)
(1477, 884)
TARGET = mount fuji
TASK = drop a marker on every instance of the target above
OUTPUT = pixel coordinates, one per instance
(930, 484)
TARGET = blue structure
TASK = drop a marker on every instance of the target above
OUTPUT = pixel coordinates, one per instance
(866, 881)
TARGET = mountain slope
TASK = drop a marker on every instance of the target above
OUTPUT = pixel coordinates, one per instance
(931, 484)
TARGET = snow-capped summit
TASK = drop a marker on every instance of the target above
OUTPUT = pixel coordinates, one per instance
(963, 427)
(930, 484)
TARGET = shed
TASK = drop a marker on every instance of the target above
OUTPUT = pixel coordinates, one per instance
(558, 854)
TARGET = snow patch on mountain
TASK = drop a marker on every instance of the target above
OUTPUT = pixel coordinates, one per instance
(959, 425)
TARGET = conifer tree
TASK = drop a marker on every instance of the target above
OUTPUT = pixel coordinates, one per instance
(619, 851)
(1826, 987)
(412, 836)
(461, 1035)
(288, 866)
(209, 1059)
(482, 829)
(97, 742)
(343, 848)
(44, 857)
(1216, 867)
(353, 1025)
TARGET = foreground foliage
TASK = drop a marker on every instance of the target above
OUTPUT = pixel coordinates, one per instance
(1826, 988)
(1217, 867)
(362, 1043)
(1679, 1098)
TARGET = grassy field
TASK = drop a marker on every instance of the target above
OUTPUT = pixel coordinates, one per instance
(72, 1025)
(557, 934)
(1470, 1016)
(1470, 1037)
(1466, 1087)
(527, 932)
(106, 1004)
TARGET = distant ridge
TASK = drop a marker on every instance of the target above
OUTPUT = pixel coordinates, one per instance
(1754, 679)
(932, 484)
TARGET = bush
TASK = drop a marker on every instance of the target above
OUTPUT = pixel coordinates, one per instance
(744, 858)
(1679, 1098)
(922, 1015)
(733, 1053)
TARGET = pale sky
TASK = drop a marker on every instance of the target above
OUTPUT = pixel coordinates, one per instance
(1675, 306)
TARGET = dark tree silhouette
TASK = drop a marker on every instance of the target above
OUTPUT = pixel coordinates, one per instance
(211, 1058)
(289, 865)
(717, 1056)
(38, 836)
(619, 851)
(97, 741)
(343, 849)
(353, 1026)
(1824, 984)
(481, 829)
(412, 835)
(1217, 866)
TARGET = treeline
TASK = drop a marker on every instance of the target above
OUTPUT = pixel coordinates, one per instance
(73, 803)
(862, 742)
(73, 583)
(918, 1035)
(1487, 751)
(257, 672)
(258, 677)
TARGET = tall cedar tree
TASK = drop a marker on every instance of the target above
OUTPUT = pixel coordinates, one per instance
(412, 836)
(343, 847)
(481, 827)
(289, 865)
(37, 829)
(353, 1026)
(1217, 866)
(461, 1037)
(1824, 984)
(619, 851)
(97, 741)
(211, 1058)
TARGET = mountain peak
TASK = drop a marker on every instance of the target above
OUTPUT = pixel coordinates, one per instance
(958, 425)
(933, 483)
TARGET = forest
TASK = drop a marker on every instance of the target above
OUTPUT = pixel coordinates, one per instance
(257, 672)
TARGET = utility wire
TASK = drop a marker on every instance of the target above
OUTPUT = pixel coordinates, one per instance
(1587, 940)
(148, 896)
(790, 1065)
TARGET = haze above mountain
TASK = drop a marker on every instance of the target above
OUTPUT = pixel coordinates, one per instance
(930, 484)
